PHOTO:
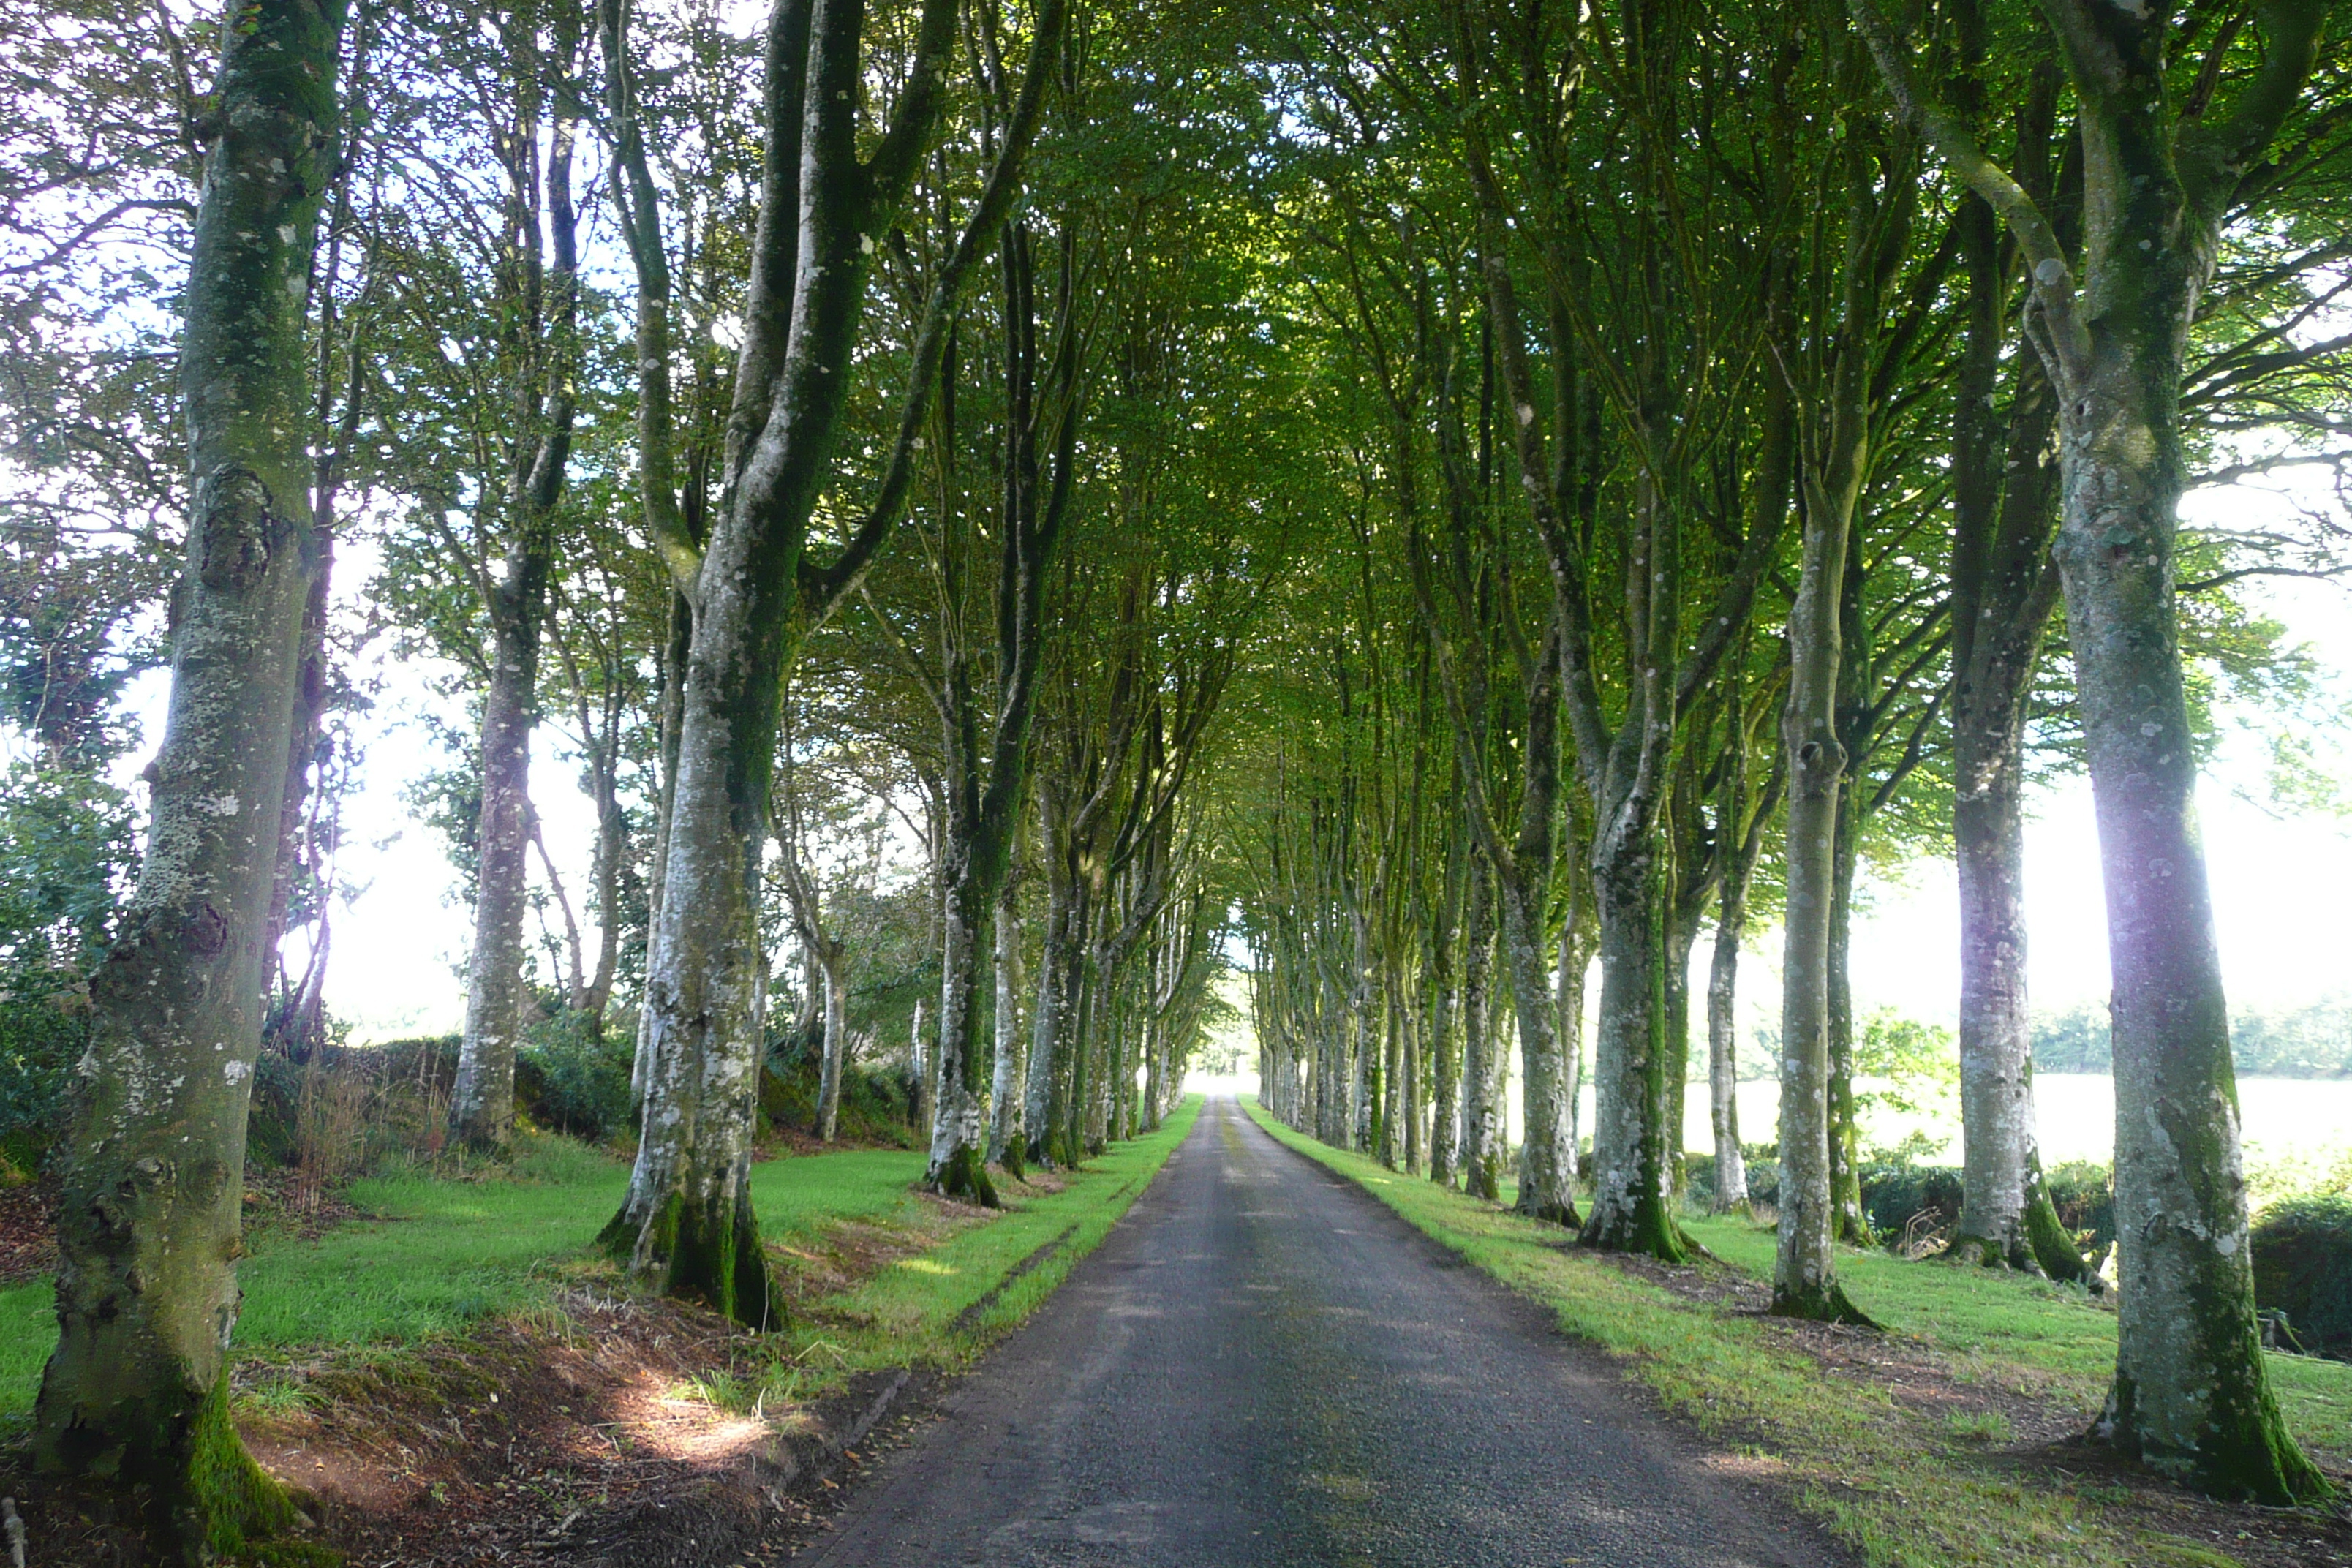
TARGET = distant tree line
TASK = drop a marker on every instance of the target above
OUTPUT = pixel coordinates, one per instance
(2310, 1041)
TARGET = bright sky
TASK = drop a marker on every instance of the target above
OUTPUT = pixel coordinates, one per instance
(2278, 881)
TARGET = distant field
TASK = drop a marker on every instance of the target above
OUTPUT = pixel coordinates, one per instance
(2286, 1118)
(2296, 1130)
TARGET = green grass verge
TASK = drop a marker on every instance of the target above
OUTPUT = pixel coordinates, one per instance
(1906, 1489)
(2064, 1342)
(939, 1307)
(432, 1255)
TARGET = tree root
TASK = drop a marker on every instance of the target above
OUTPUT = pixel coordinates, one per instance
(1823, 1304)
(965, 1176)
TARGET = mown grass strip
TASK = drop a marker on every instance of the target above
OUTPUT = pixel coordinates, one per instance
(1904, 1489)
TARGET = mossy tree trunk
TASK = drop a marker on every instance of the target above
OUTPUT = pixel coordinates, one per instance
(1831, 362)
(153, 1162)
(2190, 1398)
(688, 1223)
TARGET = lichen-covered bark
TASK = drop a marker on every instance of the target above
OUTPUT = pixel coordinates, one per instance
(688, 1223)
(2005, 504)
(1996, 1085)
(152, 1161)
(1633, 1207)
(959, 1129)
(2190, 1398)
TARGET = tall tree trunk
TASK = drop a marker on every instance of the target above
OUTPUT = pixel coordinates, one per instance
(152, 1160)
(831, 966)
(1723, 1050)
(481, 1104)
(958, 1121)
(1008, 1093)
(1835, 446)
(676, 649)
(1746, 818)
(1849, 1221)
(1546, 1160)
(1050, 1030)
(1446, 1141)
(1804, 1271)
(1482, 1139)
(1416, 1112)
(2005, 508)
(2190, 1398)
(687, 1221)
(1633, 1207)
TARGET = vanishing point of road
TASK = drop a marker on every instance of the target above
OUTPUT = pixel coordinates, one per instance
(1263, 1367)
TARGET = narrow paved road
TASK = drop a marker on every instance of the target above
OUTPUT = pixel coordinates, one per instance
(1262, 1365)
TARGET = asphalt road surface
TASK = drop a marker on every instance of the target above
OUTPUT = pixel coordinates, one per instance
(1264, 1365)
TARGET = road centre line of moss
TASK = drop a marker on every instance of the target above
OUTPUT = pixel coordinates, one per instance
(1852, 1453)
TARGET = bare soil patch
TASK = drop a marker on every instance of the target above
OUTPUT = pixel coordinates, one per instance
(28, 1236)
(584, 1435)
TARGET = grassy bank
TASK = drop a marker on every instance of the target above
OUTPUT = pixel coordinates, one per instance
(429, 1256)
(966, 1283)
(1910, 1477)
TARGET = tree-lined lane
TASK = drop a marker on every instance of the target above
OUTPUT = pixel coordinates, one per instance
(1263, 1366)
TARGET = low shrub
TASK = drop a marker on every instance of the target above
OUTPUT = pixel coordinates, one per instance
(2084, 1193)
(1894, 1194)
(1763, 1165)
(2303, 1267)
(572, 1076)
(877, 1104)
(39, 1043)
